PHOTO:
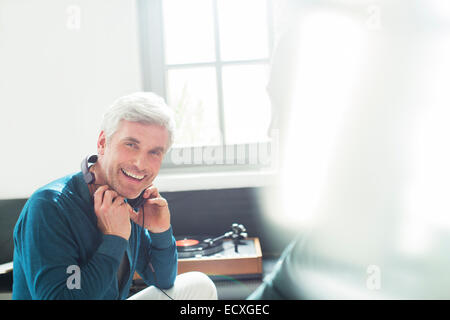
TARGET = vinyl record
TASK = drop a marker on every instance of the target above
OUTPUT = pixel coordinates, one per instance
(187, 242)
(189, 247)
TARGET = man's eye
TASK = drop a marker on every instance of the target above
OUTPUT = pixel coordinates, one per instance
(129, 144)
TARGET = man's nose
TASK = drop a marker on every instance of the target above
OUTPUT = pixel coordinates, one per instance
(140, 162)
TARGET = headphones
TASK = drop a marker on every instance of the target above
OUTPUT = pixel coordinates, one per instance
(88, 176)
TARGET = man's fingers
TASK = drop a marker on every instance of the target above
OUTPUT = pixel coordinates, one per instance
(160, 202)
(100, 191)
(105, 196)
(98, 196)
(151, 192)
(109, 196)
(118, 201)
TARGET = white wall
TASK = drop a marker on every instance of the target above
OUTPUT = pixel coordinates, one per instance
(61, 64)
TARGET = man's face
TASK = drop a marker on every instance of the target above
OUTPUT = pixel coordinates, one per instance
(130, 159)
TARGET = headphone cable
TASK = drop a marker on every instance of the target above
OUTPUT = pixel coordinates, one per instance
(150, 263)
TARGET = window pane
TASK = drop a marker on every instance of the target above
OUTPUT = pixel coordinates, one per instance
(246, 103)
(192, 92)
(189, 31)
(243, 29)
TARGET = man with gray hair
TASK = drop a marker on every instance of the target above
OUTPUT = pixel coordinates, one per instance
(79, 237)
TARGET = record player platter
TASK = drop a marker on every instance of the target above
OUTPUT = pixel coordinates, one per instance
(197, 246)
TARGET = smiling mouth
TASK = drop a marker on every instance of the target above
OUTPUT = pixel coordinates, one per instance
(132, 175)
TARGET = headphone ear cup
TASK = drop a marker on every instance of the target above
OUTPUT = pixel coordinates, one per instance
(88, 176)
(92, 159)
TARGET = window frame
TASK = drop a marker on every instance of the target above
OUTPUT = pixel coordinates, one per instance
(154, 78)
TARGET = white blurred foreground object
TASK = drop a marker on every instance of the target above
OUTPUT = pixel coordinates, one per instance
(365, 170)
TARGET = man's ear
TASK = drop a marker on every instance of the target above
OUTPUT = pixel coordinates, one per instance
(101, 143)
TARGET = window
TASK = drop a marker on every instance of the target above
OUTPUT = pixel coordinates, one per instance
(210, 60)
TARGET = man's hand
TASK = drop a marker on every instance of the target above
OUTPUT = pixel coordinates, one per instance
(156, 211)
(113, 214)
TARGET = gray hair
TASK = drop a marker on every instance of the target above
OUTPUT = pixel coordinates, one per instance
(143, 107)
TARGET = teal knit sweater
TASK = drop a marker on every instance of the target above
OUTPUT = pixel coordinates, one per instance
(59, 253)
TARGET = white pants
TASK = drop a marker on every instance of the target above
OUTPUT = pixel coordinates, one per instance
(188, 286)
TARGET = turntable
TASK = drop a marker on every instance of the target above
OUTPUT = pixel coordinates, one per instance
(231, 254)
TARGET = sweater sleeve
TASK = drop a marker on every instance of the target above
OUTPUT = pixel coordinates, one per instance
(49, 256)
(158, 258)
